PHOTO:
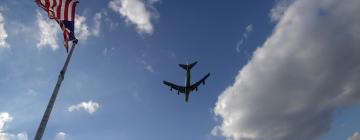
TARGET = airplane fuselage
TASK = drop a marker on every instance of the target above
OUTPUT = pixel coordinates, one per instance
(187, 83)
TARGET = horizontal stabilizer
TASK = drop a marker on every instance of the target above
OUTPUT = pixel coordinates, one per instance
(188, 66)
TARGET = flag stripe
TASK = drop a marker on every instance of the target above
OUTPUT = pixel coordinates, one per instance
(69, 13)
(62, 13)
(47, 3)
(43, 2)
(58, 9)
(50, 4)
(54, 4)
(66, 15)
(73, 11)
(51, 11)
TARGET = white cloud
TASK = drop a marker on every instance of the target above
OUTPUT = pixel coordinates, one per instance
(49, 32)
(3, 34)
(248, 29)
(308, 68)
(60, 136)
(149, 68)
(89, 107)
(4, 118)
(355, 136)
(7, 136)
(97, 26)
(136, 12)
(81, 28)
(109, 51)
(144, 61)
(7, 118)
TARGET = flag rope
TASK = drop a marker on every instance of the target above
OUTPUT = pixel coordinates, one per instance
(41, 129)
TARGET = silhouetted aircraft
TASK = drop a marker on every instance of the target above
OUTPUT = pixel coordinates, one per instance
(188, 87)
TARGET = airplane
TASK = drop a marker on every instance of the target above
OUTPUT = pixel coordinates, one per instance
(188, 87)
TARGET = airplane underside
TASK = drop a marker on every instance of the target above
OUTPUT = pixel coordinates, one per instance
(186, 97)
(188, 86)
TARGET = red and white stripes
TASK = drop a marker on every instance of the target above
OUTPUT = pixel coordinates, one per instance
(59, 9)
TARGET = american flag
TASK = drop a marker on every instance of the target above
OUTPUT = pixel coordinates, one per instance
(63, 12)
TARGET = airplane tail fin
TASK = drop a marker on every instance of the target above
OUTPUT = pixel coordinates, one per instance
(188, 66)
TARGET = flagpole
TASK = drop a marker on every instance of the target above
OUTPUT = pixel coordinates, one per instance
(45, 118)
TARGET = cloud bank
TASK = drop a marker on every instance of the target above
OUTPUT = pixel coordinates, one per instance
(355, 136)
(137, 12)
(308, 68)
(89, 107)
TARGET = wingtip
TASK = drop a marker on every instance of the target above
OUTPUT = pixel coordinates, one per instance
(166, 82)
(207, 75)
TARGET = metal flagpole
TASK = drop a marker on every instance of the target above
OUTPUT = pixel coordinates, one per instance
(45, 118)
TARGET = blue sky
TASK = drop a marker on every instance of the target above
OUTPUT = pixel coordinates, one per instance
(113, 88)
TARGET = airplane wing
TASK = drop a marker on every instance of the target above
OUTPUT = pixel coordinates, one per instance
(176, 87)
(195, 86)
